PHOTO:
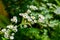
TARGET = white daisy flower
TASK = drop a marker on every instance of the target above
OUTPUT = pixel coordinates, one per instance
(33, 7)
(35, 21)
(10, 26)
(14, 19)
(21, 14)
(32, 17)
(11, 37)
(40, 20)
(6, 35)
(15, 30)
(25, 26)
(28, 11)
(3, 30)
(41, 16)
(12, 34)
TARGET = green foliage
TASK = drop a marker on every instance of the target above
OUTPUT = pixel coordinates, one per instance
(4, 21)
(42, 21)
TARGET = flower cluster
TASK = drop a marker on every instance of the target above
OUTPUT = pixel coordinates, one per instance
(36, 20)
(9, 31)
(31, 17)
(33, 7)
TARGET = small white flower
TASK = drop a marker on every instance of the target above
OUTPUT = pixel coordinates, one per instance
(41, 16)
(28, 11)
(15, 30)
(35, 21)
(14, 19)
(15, 27)
(25, 26)
(3, 30)
(25, 16)
(10, 26)
(6, 35)
(32, 22)
(40, 20)
(11, 37)
(33, 7)
(8, 30)
(21, 14)
(29, 19)
(32, 17)
(12, 34)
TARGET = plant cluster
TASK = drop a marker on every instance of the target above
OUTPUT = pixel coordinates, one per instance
(32, 20)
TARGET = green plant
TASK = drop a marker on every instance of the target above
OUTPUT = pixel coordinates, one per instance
(32, 20)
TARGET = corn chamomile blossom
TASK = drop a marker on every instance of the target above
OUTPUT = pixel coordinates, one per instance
(28, 11)
(41, 18)
(10, 26)
(14, 28)
(3, 30)
(14, 19)
(35, 21)
(33, 17)
(12, 34)
(25, 26)
(33, 7)
(6, 34)
(11, 37)
(7, 31)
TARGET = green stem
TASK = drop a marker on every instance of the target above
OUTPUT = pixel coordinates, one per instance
(23, 22)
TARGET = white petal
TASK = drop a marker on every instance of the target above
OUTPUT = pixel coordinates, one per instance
(11, 37)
